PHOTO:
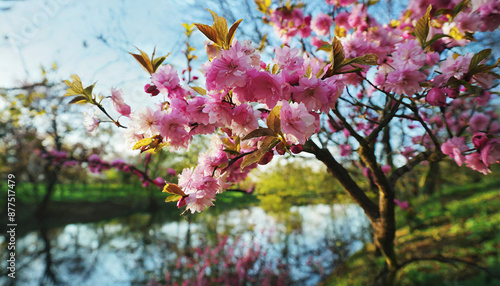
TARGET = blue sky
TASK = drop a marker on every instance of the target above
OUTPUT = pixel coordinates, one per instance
(70, 33)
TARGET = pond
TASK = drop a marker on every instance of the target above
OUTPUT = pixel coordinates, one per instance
(237, 247)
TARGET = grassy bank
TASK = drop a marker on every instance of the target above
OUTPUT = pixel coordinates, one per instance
(459, 228)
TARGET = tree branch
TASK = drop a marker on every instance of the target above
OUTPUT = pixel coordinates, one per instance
(345, 179)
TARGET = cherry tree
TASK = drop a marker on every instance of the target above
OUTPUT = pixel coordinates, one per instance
(340, 101)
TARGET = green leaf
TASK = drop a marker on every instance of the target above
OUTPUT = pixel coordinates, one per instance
(173, 198)
(435, 38)
(477, 59)
(259, 132)
(274, 119)
(158, 61)
(460, 7)
(255, 157)
(422, 27)
(368, 59)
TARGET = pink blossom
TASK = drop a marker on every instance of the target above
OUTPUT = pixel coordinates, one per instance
(479, 122)
(386, 169)
(195, 111)
(289, 59)
(489, 10)
(473, 161)
(229, 69)
(340, 2)
(321, 24)
(95, 163)
(159, 182)
(408, 54)
(345, 150)
(146, 122)
(490, 153)
(296, 122)
(341, 19)
(436, 97)
(405, 81)
(313, 93)
(453, 68)
(118, 164)
(402, 204)
(245, 119)
(90, 121)
(479, 139)
(201, 192)
(119, 103)
(166, 79)
(454, 147)
(151, 89)
(484, 98)
(218, 112)
(431, 59)
(261, 86)
(288, 23)
(174, 128)
(171, 172)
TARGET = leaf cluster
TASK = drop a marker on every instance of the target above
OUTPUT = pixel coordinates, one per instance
(273, 136)
(338, 60)
(83, 95)
(218, 32)
(150, 64)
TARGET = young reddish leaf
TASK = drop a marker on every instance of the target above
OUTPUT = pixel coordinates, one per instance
(173, 189)
(221, 27)
(259, 132)
(273, 119)
(232, 30)
(255, 157)
(208, 31)
(338, 55)
(144, 60)
(158, 61)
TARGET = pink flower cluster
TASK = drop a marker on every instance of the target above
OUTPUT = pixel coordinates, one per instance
(288, 23)
(97, 165)
(486, 152)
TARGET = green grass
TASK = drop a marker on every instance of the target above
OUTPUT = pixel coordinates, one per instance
(458, 222)
(28, 194)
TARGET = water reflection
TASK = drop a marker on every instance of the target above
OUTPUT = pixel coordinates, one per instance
(299, 247)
